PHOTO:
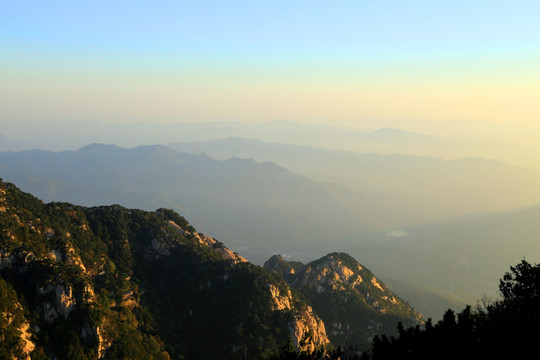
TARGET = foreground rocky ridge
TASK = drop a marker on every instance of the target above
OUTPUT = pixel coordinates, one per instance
(352, 302)
(108, 282)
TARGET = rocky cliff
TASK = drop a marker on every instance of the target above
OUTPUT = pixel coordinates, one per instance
(15, 335)
(352, 302)
(109, 282)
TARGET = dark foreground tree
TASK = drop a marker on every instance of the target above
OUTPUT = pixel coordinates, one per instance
(506, 329)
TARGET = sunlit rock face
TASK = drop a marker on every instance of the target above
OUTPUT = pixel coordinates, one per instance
(351, 301)
(307, 330)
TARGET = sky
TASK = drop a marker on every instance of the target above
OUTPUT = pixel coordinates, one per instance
(333, 62)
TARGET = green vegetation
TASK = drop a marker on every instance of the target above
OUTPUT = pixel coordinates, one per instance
(114, 283)
(11, 319)
(119, 283)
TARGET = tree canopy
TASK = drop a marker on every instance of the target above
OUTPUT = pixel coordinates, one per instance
(504, 329)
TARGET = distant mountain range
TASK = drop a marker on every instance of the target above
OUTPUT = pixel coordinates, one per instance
(407, 189)
(370, 139)
(464, 255)
(7, 144)
(389, 141)
(261, 208)
(248, 204)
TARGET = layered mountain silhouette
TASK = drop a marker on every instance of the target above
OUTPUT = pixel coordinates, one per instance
(407, 189)
(247, 204)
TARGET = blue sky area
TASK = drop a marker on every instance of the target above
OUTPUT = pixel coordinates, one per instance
(59, 57)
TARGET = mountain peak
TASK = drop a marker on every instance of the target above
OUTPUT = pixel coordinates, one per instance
(280, 266)
(346, 295)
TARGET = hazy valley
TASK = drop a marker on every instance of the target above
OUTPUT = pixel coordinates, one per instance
(436, 228)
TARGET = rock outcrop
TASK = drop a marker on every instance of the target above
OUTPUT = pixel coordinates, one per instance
(280, 266)
(15, 333)
(307, 330)
(351, 301)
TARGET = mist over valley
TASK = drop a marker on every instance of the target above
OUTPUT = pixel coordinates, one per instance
(395, 212)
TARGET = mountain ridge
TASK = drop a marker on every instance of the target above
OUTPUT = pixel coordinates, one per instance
(218, 195)
(440, 188)
(110, 282)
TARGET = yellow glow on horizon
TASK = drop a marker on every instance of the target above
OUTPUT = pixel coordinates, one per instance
(498, 91)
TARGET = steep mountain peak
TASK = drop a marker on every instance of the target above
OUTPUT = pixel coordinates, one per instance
(336, 271)
(347, 296)
(279, 265)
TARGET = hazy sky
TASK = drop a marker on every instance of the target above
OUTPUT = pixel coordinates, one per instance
(308, 61)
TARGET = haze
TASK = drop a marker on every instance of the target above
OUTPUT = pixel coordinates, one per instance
(405, 115)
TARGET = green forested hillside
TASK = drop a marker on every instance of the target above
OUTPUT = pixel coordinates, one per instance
(12, 319)
(114, 283)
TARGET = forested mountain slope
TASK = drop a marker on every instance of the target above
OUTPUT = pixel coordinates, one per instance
(114, 283)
